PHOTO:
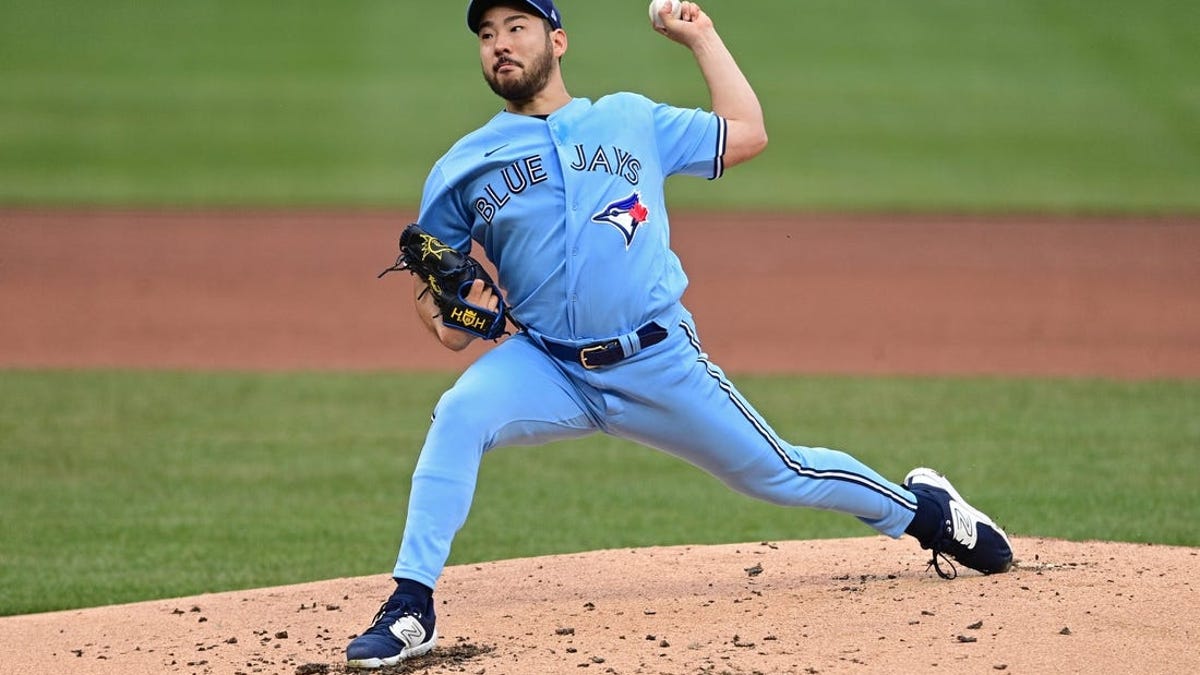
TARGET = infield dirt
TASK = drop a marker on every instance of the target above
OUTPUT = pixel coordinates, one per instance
(915, 295)
(807, 294)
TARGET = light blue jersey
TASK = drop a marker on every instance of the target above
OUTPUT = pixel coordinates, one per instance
(571, 210)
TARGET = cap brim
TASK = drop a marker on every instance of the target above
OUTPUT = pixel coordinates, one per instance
(476, 9)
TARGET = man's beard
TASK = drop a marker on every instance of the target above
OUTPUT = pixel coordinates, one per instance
(529, 84)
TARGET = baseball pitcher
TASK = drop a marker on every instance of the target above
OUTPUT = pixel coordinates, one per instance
(565, 197)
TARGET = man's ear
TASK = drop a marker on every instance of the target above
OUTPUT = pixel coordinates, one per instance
(559, 40)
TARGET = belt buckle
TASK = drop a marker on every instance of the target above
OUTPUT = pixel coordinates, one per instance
(583, 354)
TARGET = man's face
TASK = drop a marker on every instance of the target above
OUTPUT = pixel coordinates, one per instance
(516, 52)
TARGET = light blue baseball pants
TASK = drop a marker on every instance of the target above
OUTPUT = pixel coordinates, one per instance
(668, 396)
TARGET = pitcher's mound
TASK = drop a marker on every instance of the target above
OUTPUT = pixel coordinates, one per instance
(861, 605)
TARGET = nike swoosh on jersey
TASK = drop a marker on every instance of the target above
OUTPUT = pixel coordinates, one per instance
(489, 153)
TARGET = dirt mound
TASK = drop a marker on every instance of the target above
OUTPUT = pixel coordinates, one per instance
(860, 605)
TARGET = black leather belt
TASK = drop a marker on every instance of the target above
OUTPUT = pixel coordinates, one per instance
(606, 352)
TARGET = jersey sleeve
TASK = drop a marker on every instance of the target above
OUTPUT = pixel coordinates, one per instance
(442, 213)
(690, 141)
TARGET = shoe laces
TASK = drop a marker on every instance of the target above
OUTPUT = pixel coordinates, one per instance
(933, 562)
(937, 547)
(397, 610)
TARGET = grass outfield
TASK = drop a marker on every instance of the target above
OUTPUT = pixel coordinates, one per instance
(124, 486)
(961, 105)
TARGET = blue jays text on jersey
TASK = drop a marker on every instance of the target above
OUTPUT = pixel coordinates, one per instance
(626, 165)
(527, 171)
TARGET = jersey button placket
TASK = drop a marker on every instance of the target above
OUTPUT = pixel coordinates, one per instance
(569, 199)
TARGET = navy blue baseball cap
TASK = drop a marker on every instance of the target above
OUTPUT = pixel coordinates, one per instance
(542, 8)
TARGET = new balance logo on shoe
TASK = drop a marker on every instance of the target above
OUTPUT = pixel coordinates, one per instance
(408, 630)
(964, 525)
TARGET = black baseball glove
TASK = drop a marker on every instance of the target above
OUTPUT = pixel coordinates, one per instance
(448, 275)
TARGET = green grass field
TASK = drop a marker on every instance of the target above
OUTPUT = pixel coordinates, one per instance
(963, 105)
(125, 486)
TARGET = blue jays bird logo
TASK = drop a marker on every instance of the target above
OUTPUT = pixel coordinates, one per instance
(625, 215)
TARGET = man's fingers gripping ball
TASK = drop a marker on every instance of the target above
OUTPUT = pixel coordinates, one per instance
(659, 7)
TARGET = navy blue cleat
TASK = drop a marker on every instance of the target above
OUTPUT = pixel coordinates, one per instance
(402, 629)
(966, 534)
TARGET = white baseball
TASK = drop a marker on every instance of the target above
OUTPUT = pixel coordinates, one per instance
(656, 5)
